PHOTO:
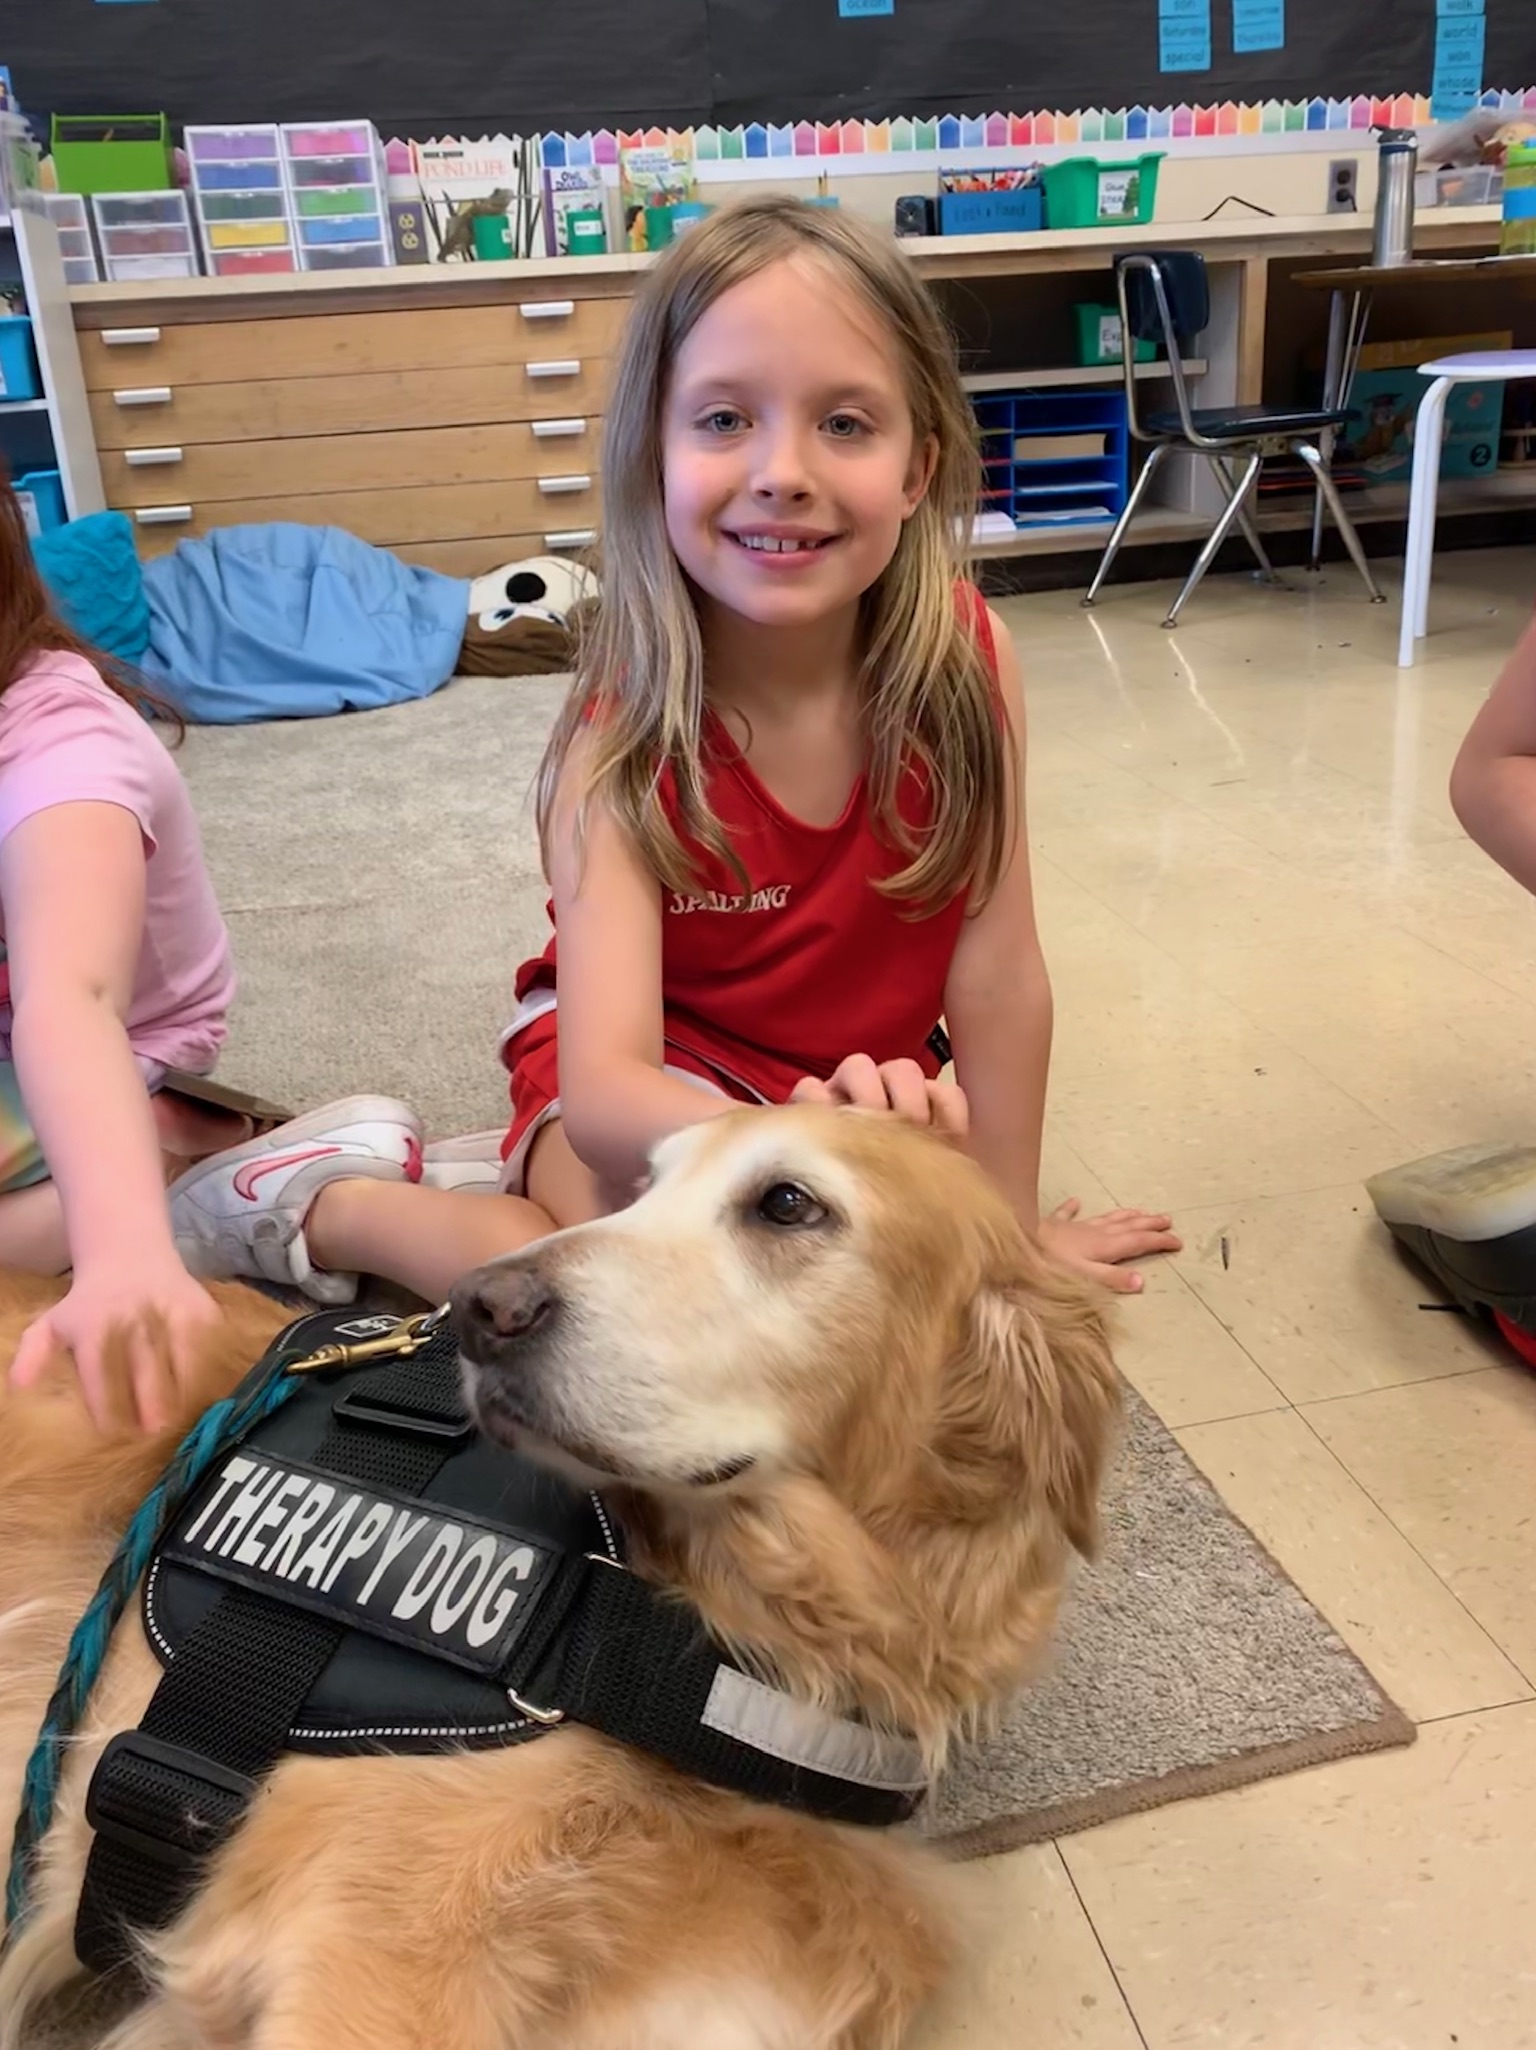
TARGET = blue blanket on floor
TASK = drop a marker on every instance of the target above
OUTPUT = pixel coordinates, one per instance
(283, 621)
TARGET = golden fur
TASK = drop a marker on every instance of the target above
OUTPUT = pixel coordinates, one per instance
(925, 1402)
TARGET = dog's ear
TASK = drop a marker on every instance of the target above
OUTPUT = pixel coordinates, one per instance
(1031, 1398)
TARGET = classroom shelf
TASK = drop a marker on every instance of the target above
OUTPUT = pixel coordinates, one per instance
(48, 433)
(1071, 374)
(1512, 490)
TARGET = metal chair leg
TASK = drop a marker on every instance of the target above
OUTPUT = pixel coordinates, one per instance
(1250, 531)
(1122, 526)
(1346, 337)
(1229, 519)
(1313, 459)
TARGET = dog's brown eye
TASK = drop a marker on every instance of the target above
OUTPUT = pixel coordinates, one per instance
(789, 1207)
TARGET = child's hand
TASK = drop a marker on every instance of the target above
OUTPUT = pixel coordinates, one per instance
(899, 1086)
(158, 1312)
(1098, 1246)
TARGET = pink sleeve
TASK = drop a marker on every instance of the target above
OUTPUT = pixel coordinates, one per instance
(70, 747)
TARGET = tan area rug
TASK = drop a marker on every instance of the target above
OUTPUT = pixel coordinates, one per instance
(1186, 1662)
(381, 877)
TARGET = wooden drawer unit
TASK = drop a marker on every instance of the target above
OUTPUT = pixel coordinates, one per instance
(458, 429)
(388, 518)
(132, 414)
(479, 558)
(493, 337)
(560, 465)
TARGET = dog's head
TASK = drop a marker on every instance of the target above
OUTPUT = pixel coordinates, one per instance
(858, 1414)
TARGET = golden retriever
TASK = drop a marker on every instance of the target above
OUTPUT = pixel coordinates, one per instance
(841, 1402)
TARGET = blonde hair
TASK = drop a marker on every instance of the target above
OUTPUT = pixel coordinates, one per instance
(928, 696)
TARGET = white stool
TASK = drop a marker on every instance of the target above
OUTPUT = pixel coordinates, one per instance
(1496, 366)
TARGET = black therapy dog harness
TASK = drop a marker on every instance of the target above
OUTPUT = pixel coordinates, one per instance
(364, 1573)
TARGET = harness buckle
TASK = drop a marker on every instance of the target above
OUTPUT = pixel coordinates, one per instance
(163, 1801)
(408, 1336)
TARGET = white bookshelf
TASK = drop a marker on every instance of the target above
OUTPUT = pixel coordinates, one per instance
(64, 399)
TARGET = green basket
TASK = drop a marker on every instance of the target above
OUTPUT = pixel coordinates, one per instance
(111, 152)
(1099, 339)
(1084, 193)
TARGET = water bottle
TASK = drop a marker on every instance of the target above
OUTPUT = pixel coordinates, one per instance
(1519, 236)
(1397, 160)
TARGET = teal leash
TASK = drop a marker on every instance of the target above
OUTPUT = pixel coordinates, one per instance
(214, 1432)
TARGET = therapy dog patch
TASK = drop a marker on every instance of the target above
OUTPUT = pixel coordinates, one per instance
(442, 1583)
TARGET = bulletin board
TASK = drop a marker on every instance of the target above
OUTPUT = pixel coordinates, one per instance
(526, 65)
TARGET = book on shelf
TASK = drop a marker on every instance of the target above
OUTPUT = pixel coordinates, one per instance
(1059, 448)
(572, 189)
(652, 175)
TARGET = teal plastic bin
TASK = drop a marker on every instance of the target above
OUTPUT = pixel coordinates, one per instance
(41, 495)
(19, 374)
(1082, 192)
(1100, 341)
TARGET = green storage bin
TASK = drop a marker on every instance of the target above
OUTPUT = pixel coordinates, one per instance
(1084, 193)
(1099, 339)
(112, 152)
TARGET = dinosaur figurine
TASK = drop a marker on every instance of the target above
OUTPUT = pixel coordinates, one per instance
(459, 240)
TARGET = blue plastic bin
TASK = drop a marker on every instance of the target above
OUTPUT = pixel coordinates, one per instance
(20, 377)
(1054, 458)
(1020, 211)
(41, 493)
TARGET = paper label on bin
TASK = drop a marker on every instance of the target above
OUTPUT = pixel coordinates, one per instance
(1119, 194)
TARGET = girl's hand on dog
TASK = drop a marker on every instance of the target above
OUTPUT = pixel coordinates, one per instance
(858, 1083)
(134, 1334)
(1099, 1246)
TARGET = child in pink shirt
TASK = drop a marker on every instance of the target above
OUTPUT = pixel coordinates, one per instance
(114, 966)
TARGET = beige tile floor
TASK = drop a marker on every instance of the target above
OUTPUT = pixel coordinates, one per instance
(1279, 965)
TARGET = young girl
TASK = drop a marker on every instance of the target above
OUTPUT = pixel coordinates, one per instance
(114, 966)
(782, 813)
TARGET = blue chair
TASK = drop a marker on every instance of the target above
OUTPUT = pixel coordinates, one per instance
(1165, 298)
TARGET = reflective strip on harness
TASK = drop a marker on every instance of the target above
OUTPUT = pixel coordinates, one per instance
(794, 1731)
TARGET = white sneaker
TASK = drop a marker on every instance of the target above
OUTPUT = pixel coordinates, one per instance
(242, 1212)
(471, 1166)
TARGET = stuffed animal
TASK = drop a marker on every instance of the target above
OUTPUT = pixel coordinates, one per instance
(524, 618)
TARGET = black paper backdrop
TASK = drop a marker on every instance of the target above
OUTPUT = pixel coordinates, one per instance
(519, 65)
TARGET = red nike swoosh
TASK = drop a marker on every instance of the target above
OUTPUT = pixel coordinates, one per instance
(248, 1176)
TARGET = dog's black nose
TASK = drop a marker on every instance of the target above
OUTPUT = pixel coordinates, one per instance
(497, 1303)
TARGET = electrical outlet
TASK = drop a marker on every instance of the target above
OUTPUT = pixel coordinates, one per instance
(1343, 196)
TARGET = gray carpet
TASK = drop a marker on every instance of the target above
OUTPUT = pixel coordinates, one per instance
(381, 879)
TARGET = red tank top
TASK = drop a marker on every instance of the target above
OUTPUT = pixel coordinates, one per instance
(809, 962)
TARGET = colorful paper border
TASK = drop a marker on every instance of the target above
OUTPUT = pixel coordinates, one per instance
(943, 133)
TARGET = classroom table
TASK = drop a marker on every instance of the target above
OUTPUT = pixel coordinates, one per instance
(1354, 288)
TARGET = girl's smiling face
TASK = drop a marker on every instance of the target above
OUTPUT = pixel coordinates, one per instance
(789, 456)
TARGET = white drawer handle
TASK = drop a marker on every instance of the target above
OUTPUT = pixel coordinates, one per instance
(549, 430)
(551, 485)
(163, 515)
(146, 458)
(565, 367)
(548, 309)
(128, 337)
(572, 537)
(146, 395)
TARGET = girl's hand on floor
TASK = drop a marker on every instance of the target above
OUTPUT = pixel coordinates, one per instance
(1099, 1246)
(159, 1317)
(899, 1086)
